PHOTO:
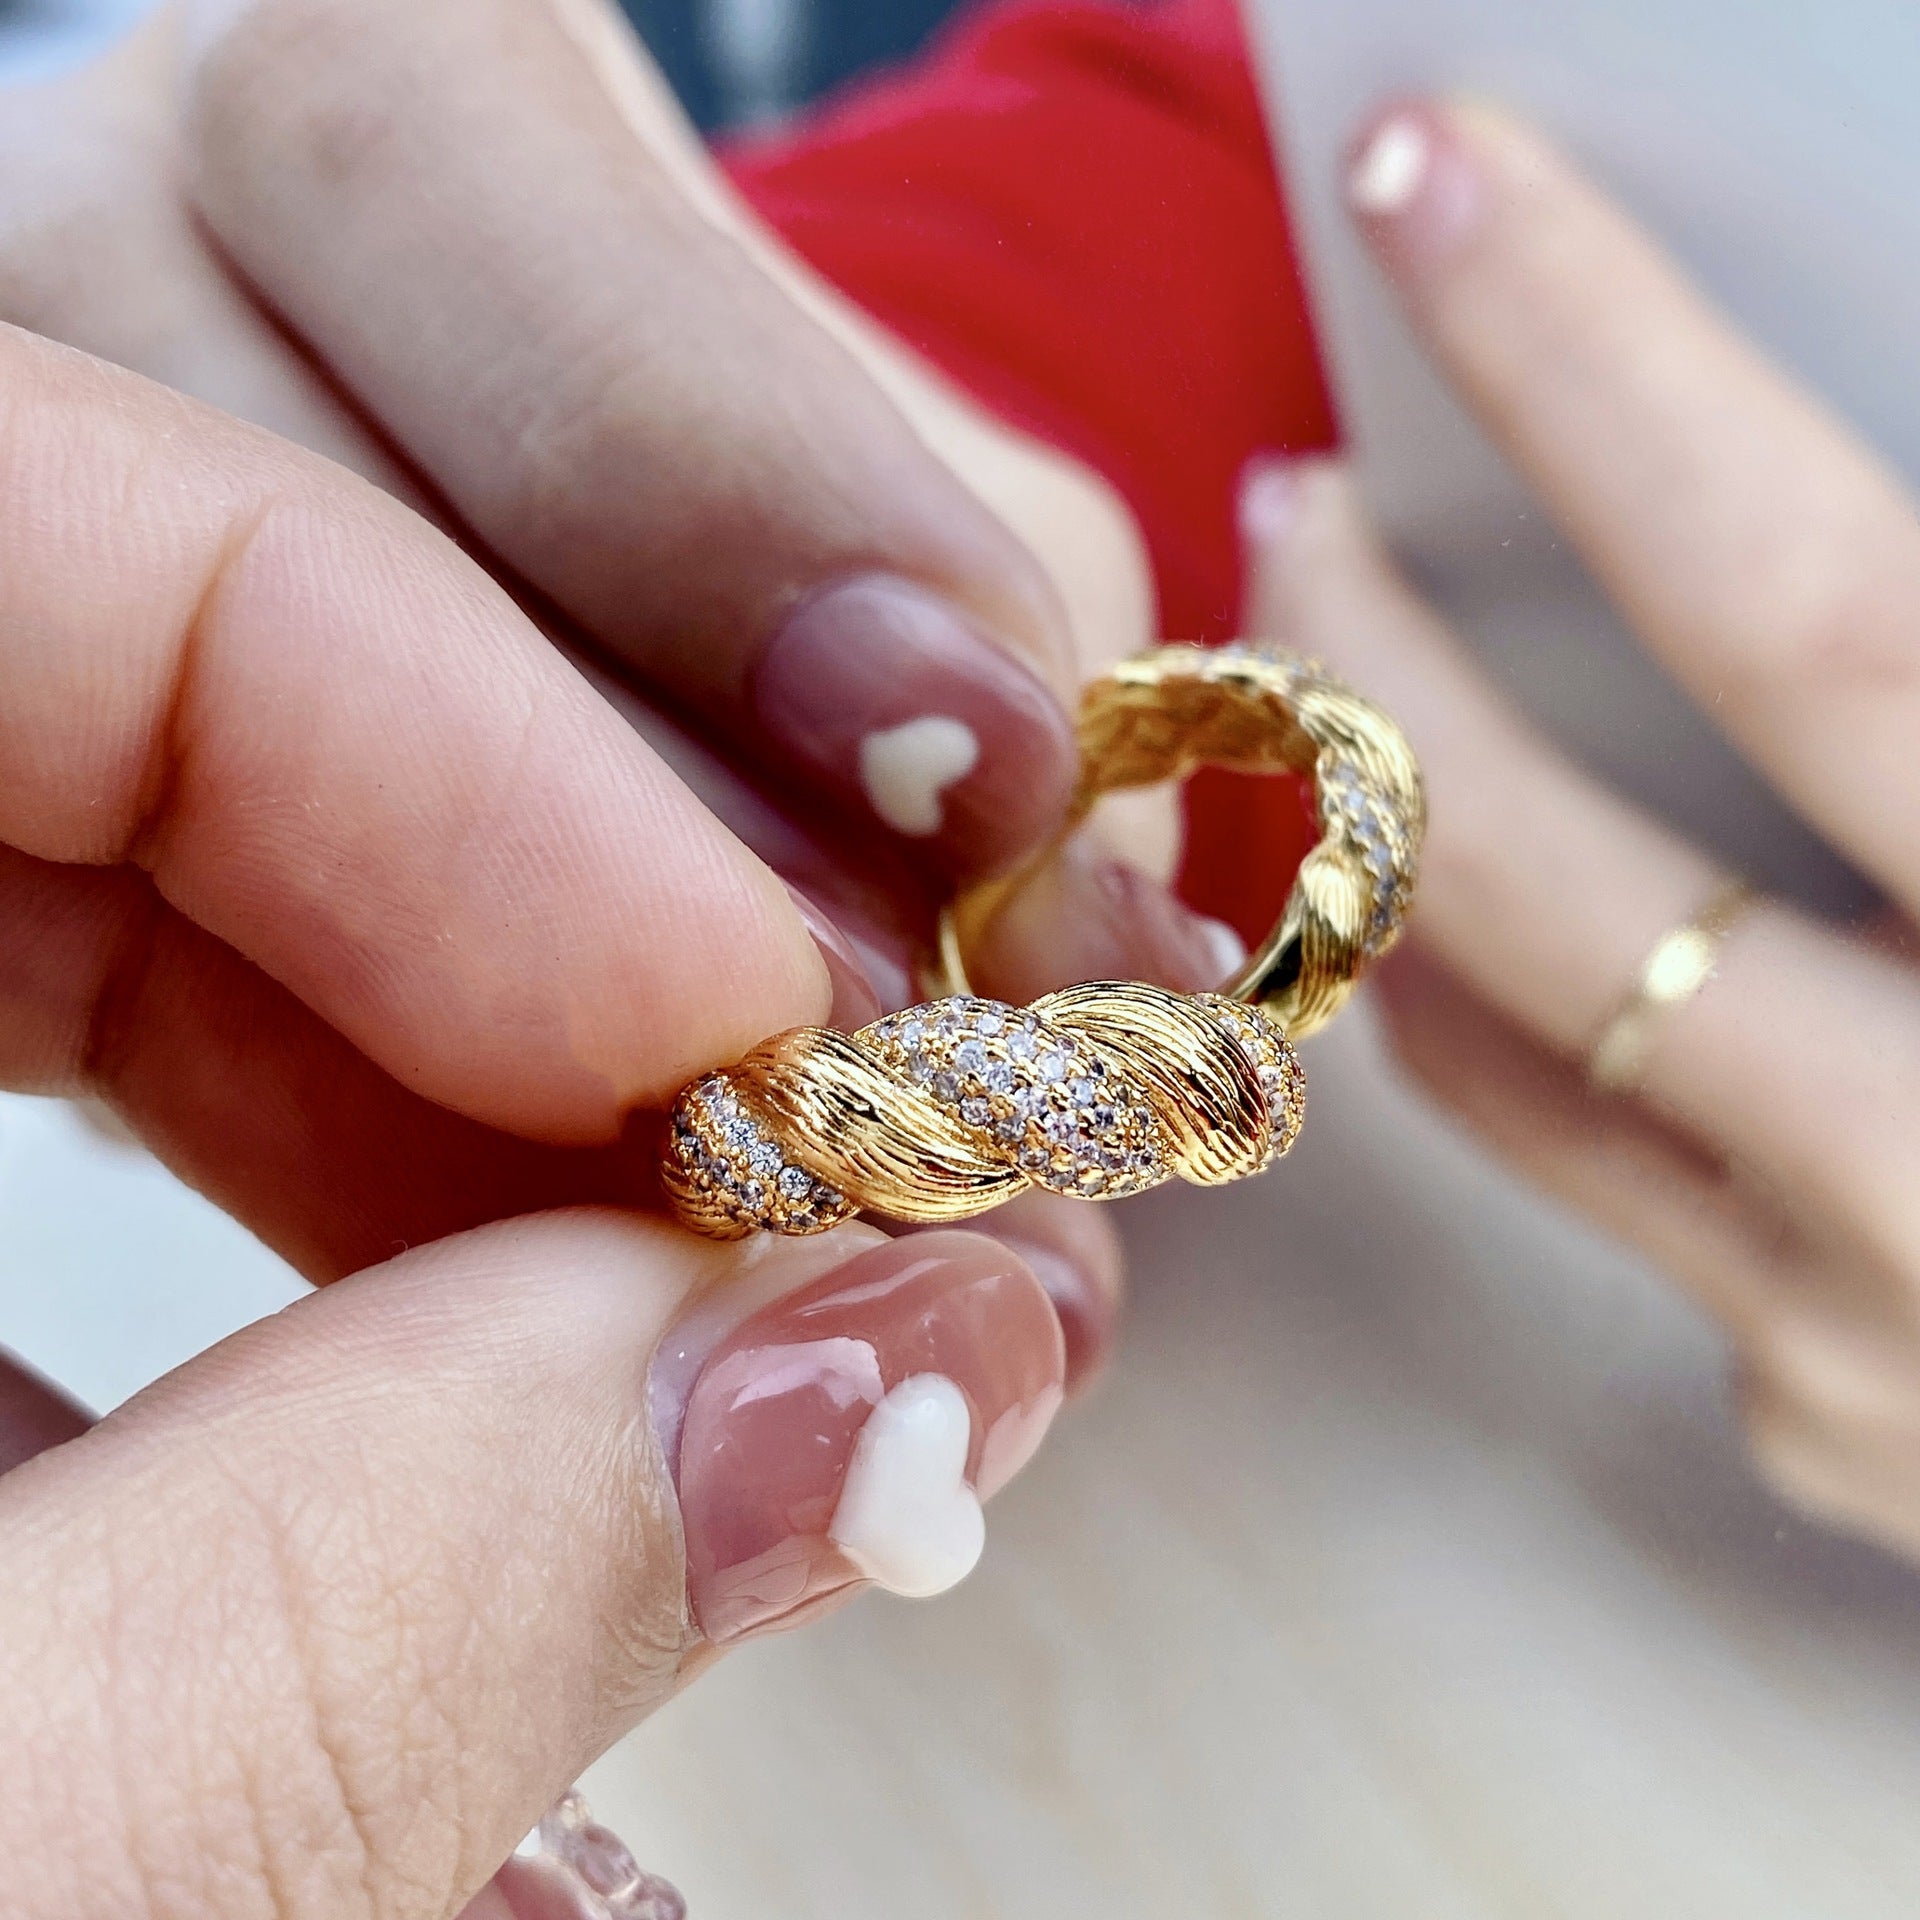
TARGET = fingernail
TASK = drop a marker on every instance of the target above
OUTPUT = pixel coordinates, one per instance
(1412, 186)
(1226, 951)
(895, 702)
(1391, 166)
(1089, 1314)
(847, 1432)
(572, 1868)
(1178, 947)
(1079, 1271)
(1087, 916)
(856, 1000)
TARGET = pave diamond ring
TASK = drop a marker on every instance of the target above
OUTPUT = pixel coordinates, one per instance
(1105, 1089)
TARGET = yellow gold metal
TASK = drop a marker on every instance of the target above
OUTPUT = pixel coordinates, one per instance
(1167, 712)
(1680, 963)
(945, 1110)
(1105, 1089)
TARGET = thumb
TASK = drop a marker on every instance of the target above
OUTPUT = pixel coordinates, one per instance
(323, 1621)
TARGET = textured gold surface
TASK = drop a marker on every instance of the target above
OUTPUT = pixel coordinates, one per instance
(1165, 713)
(945, 1110)
(1100, 1090)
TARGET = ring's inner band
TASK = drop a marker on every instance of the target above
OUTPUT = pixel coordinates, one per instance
(1163, 716)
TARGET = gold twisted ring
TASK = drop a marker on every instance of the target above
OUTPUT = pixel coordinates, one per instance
(1105, 1089)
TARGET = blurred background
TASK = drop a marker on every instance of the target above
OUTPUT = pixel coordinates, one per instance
(734, 63)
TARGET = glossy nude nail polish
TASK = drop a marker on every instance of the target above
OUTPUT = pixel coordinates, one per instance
(1088, 1312)
(1087, 916)
(1391, 166)
(892, 701)
(1412, 187)
(848, 1432)
(855, 998)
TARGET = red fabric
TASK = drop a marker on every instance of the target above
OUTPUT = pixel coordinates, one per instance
(1071, 207)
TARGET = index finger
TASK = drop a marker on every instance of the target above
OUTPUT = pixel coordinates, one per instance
(340, 748)
(1768, 558)
(448, 203)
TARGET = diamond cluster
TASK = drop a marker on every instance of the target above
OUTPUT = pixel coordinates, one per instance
(1065, 1119)
(1378, 830)
(1380, 833)
(1283, 1081)
(730, 1160)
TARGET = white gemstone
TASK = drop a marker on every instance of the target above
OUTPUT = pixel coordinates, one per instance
(970, 1056)
(975, 1112)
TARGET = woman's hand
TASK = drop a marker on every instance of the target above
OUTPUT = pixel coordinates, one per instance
(1772, 564)
(323, 863)
(467, 248)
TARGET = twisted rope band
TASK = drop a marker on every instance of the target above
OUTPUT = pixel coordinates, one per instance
(1162, 714)
(947, 1109)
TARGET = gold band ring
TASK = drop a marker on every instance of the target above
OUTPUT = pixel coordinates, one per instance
(1679, 964)
(1105, 1089)
(1171, 710)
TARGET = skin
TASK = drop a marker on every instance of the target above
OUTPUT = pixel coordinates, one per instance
(1770, 562)
(281, 871)
(841, 452)
(146, 219)
(297, 797)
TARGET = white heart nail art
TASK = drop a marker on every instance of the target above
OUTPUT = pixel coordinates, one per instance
(907, 1517)
(905, 769)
